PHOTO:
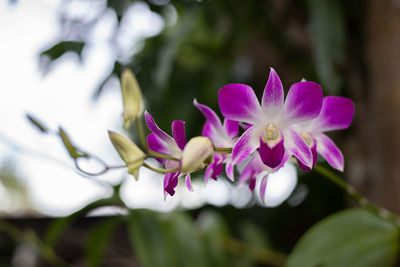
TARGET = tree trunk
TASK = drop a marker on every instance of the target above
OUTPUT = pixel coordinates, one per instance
(376, 170)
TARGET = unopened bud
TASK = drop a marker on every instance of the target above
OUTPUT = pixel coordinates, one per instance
(129, 152)
(197, 153)
(131, 97)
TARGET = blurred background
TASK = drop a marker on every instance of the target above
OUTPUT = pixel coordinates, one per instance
(61, 61)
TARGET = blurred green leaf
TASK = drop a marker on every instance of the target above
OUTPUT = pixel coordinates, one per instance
(98, 238)
(58, 226)
(73, 151)
(355, 238)
(190, 249)
(149, 240)
(59, 49)
(254, 235)
(328, 38)
(39, 125)
(214, 230)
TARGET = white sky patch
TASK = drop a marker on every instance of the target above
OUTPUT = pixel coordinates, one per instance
(64, 97)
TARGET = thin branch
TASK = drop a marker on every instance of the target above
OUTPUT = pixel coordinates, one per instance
(223, 150)
(360, 199)
(140, 130)
(161, 156)
(159, 170)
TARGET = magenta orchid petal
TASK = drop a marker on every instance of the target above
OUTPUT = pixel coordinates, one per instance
(303, 102)
(245, 126)
(156, 130)
(229, 170)
(217, 137)
(253, 168)
(315, 155)
(188, 182)
(157, 145)
(246, 174)
(272, 99)
(327, 148)
(208, 130)
(252, 183)
(336, 114)
(297, 147)
(210, 115)
(231, 128)
(178, 132)
(272, 155)
(263, 188)
(246, 145)
(238, 102)
(208, 172)
(170, 183)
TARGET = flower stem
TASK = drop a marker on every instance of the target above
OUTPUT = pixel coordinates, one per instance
(161, 156)
(140, 130)
(159, 170)
(360, 199)
(223, 150)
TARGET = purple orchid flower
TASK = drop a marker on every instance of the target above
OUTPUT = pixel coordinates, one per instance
(336, 113)
(222, 135)
(270, 131)
(161, 142)
(255, 169)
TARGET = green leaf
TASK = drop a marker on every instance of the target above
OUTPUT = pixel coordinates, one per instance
(59, 49)
(355, 238)
(190, 248)
(59, 225)
(214, 230)
(39, 125)
(98, 239)
(254, 235)
(148, 237)
(73, 151)
(129, 152)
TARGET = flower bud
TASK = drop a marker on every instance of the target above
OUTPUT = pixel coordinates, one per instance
(131, 97)
(129, 152)
(197, 153)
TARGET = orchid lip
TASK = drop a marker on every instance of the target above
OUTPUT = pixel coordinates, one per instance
(272, 147)
(271, 135)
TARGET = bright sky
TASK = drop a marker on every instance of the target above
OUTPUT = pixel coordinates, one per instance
(63, 97)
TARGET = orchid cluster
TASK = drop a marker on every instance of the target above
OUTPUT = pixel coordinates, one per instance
(274, 132)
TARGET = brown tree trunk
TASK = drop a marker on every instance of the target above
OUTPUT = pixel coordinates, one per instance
(376, 171)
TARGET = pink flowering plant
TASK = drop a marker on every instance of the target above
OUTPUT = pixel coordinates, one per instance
(276, 131)
(252, 142)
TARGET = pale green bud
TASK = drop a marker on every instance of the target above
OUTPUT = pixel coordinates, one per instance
(129, 152)
(197, 153)
(131, 97)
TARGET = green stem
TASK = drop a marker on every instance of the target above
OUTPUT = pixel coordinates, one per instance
(159, 170)
(140, 130)
(223, 150)
(360, 199)
(159, 155)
